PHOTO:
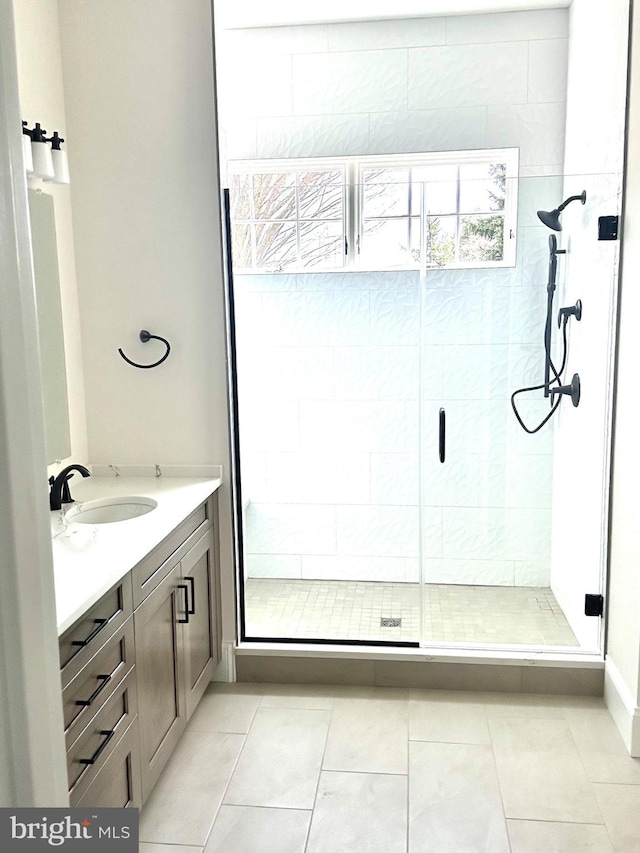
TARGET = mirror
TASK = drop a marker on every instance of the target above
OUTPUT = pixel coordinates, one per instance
(50, 329)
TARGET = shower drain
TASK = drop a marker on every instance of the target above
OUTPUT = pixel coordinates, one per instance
(388, 622)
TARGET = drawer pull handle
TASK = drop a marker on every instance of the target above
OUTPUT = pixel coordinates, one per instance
(100, 623)
(109, 734)
(104, 680)
(186, 603)
(192, 583)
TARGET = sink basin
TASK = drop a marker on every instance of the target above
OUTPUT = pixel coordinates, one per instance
(109, 510)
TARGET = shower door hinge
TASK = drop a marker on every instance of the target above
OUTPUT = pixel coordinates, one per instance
(593, 605)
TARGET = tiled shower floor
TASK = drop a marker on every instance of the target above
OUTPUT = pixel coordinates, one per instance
(352, 610)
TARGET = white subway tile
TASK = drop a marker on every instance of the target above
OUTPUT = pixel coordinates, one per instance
(472, 75)
(453, 315)
(533, 255)
(507, 26)
(378, 530)
(474, 533)
(323, 478)
(529, 482)
(272, 566)
(428, 130)
(353, 82)
(269, 41)
(475, 572)
(290, 529)
(312, 136)
(432, 531)
(241, 139)
(531, 574)
(452, 483)
(267, 93)
(354, 425)
(292, 373)
(395, 316)
(547, 71)
(315, 319)
(269, 428)
(253, 474)
(377, 373)
(371, 35)
(394, 478)
(528, 534)
(537, 129)
(354, 568)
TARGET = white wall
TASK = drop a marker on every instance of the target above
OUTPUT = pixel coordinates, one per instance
(140, 99)
(330, 373)
(42, 100)
(623, 642)
(593, 162)
(31, 724)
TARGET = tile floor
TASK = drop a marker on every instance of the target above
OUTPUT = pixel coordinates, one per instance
(273, 768)
(453, 613)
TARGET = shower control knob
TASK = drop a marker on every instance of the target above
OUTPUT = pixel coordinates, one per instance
(572, 390)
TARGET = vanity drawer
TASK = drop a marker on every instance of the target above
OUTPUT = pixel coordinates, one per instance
(90, 689)
(117, 784)
(84, 638)
(156, 566)
(88, 754)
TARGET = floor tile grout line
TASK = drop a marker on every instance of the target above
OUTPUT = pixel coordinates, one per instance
(408, 781)
(563, 822)
(226, 788)
(495, 764)
(315, 797)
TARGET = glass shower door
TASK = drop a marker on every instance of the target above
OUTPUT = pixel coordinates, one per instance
(499, 532)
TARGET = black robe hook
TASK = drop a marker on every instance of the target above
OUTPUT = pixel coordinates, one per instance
(144, 337)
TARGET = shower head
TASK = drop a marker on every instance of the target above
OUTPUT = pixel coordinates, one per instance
(551, 218)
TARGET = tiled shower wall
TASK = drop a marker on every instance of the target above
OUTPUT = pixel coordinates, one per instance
(329, 364)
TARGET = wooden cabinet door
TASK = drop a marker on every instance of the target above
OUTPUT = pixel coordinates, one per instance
(201, 631)
(161, 700)
(117, 785)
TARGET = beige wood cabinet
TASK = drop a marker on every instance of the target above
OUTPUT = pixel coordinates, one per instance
(135, 666)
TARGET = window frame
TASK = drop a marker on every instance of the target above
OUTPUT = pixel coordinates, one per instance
(352, 168)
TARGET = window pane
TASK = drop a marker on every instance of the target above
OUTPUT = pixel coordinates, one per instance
(386, 243)
(386, 192)
(241, 245)
(440, 187)
(239, 197)
(274, 196)
(321, 244)
(440, 241)
(320, 195)
(481, 238)
(482, 187)
(415, 239)
(276, 246)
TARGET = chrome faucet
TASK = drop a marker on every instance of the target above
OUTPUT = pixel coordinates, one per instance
(60, 492)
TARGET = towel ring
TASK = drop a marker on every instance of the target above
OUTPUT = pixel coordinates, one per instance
(144, 337)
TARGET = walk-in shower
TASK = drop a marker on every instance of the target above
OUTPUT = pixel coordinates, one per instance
(392, 285)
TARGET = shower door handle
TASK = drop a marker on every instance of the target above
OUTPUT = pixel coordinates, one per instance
(442, 434)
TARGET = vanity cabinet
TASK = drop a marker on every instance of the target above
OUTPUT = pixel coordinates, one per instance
(136, 665)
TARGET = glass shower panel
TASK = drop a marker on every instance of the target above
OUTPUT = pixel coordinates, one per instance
(328, 388)
(496, 556)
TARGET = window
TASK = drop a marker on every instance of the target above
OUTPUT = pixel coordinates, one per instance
(451, 210)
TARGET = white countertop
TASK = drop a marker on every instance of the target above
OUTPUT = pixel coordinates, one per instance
(88, 559)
